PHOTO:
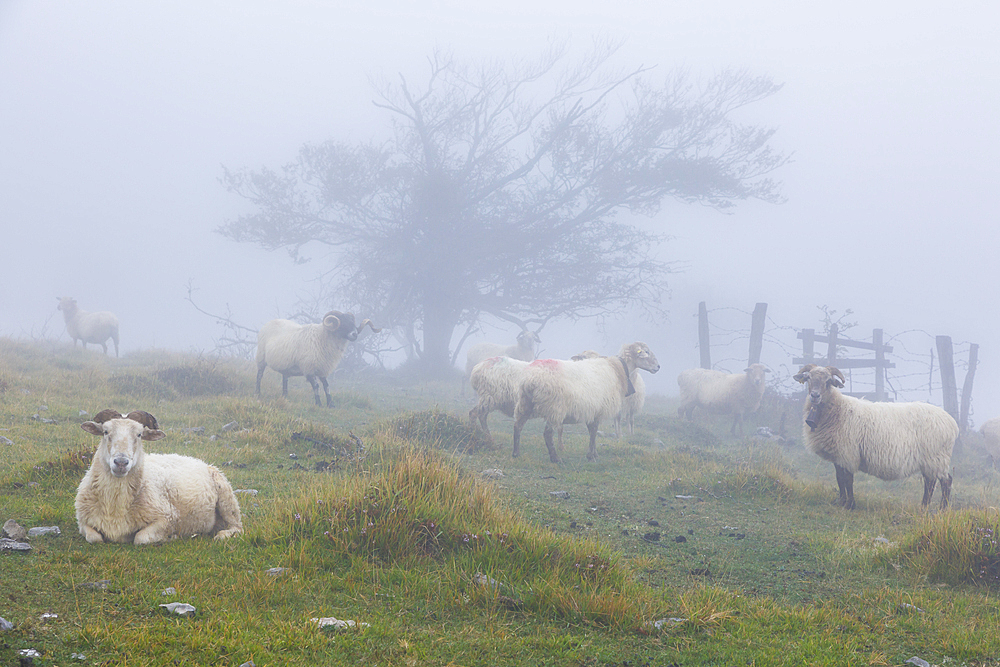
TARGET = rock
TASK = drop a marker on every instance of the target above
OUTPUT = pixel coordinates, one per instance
(559, 494)
(78, 656)
(249, 492)
(26, 656)
(39, 418)
(82, 413)
(684, 497)
(6, 441)
(919, 662)
(14, 531)
(169, 591)
(331, 622)
(193, 429)
(39, 531)
(909, 607)
(651, 537)
(277, 571)
(483, 580)
(680, 538)
(13, 545)
(248, 663)
(5, 625)
(666, 622)
(493, 473)
(229, 427)
(179, 608)
(654, 523)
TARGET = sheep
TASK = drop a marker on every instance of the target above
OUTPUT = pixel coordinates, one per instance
(724, 393)
(312, 350)
(887, 440)
(497, 383)
(632, 405)
(991, 438)
(89, 327)
(524, 350)
(570, 392)
(130, 496)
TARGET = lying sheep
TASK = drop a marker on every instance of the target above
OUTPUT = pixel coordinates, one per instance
(312, 350)
(632, 405)
(89, 327)
(723, 393)
(991, 438)
(130, 496)
(887, 440)
(569, 392)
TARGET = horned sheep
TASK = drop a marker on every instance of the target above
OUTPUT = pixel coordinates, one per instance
(723, 393)
(887, 440)
(569, 392)
(128, 495)
(87, 327)
(310, 350)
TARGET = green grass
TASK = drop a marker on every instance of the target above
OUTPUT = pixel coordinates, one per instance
(377, 511)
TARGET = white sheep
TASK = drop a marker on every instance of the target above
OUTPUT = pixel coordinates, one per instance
(310, 350)
(524, 349)
(128, 495)
(569, 392)
(723, 393)
(632, 405)
(887, 440)
(89, 327)
(991, 438)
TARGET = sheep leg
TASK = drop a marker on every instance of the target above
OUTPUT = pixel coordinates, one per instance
(737, 419)
(518, 425)
(945, 491)
(153, 533)
(845, 483)
(315, 386)
(260, 374)
(592, 454)
(929, 482)
(326, 390)
(104, 346)
(548, 443)
(559, 443)
(91, 535)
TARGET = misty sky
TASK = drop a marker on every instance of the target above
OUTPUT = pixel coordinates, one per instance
(116, 117)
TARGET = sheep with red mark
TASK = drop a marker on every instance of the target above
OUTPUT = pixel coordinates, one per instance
(128, 495)
(588, 391)
(310, 350)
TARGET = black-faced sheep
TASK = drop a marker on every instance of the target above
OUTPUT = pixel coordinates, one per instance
(128, 495)
(87, 327)
(887, 440)
(723, 393)
(310, 350)
(569, 392)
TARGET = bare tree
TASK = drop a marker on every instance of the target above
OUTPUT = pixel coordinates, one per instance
(502, 190)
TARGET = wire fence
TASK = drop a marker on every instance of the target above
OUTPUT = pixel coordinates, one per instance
(916, 376)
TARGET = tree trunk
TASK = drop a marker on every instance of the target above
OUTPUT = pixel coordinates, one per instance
(439, 327)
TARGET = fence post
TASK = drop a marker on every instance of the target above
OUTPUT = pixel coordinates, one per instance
(757, 332)
(946, 362)
(808, 340)
(831, 350)
(967, 387)
(879, 365)
(703, 342)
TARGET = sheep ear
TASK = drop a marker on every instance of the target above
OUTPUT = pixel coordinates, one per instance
(836, 372)
(801, 377)
(835, 382)
(151, 434)
(93, 428)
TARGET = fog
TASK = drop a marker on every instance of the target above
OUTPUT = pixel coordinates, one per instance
(116, 119)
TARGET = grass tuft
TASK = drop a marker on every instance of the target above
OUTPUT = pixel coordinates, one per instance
(434, 428)
(958, 547)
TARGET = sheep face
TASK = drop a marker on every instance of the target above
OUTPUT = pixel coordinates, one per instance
(68, 304)
(528, 339)
(121, 441)
(755, 373)
(819, 379)
(340, 325)
(641, 356)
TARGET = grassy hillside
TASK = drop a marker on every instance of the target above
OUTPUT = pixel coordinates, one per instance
(398, 528)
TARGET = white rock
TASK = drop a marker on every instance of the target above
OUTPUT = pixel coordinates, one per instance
(336, 624)
(179, 608)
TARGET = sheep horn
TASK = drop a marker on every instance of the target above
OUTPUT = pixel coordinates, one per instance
(836, 371)
(331, 320)
(144, 418)
(370, 325)
(106, 415)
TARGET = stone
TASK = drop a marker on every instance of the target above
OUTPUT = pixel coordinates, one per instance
(179, 608)
(170, 590)
(5, 625)
(14, 530)
(919, 662)
(559, 494)
(13, 545)
(493, 473)
(336, 624)
(39, 531)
